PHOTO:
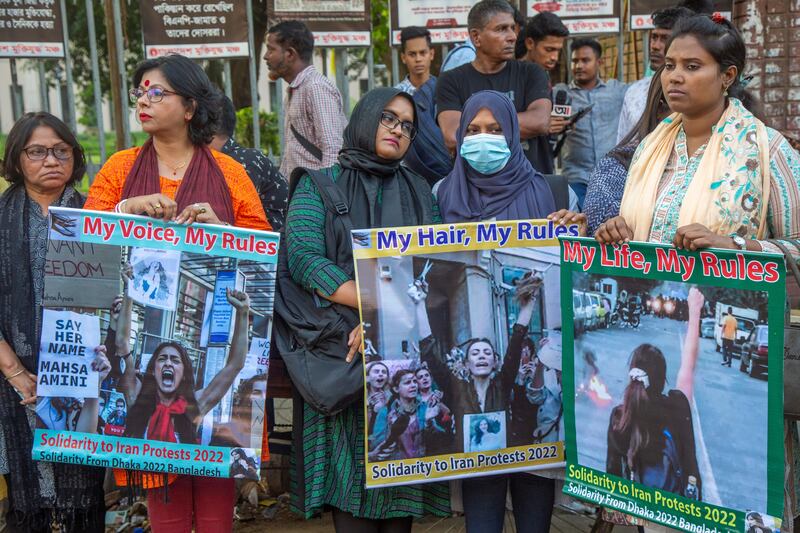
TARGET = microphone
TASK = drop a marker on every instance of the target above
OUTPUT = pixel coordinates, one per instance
(562, 104)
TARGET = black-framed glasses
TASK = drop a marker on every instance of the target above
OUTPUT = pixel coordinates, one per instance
(154, 94)
(36, 152)
(390, 121)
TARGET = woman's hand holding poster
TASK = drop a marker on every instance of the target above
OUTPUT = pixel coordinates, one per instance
(462, 349)
(142, 384)
(676, 359)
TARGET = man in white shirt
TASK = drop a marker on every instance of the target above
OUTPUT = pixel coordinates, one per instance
(636, 97)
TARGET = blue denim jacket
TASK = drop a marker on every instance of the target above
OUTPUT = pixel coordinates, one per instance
(595, 134)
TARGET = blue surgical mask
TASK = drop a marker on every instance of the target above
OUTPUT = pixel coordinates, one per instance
(485, 152)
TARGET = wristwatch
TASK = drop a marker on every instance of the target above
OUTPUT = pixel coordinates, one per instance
(739, 242)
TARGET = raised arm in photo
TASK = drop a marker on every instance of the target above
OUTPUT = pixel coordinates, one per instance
(685, 382)
(221, 383)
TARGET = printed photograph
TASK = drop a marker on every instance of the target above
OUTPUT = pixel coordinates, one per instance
(487, 432)
(244, 465)
(173, 352)
(666, 373)
(154, 277)
(113, 413)
(463, 351)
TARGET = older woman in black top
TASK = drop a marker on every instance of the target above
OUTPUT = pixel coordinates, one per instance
(42, 161)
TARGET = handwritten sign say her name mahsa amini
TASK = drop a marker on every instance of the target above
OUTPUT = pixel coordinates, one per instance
(66, 355)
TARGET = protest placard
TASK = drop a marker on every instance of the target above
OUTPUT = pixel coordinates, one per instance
(462, 349)
(67, 352)
(31, 29)
(153, 355)
(667, 424)
(68, 261)
(642, 11)
(200, 30)
(334, 23)
(445, 19)
(580, 16)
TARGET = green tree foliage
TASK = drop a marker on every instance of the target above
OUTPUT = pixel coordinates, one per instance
(381, 51)
(81, 58)
(134, 53)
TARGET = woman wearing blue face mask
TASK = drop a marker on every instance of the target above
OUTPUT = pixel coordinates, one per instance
(491, 177)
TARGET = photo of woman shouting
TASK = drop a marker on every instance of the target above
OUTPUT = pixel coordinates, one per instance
(378, 391)
(404, 427)
(650, 435)
(164, 403)
(489, 380)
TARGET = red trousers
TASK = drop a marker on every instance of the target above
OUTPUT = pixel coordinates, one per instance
(203, 503)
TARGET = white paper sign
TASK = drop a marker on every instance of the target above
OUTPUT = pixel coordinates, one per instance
(155, 277)
(66, 355)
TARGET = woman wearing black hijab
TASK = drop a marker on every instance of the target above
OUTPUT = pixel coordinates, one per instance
(380, 193)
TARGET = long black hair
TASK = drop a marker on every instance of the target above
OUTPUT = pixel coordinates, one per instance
(720, 38)
(191, 82)
(640, 405)
(141, 411)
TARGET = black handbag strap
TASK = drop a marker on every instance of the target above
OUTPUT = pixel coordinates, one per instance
(310, 147)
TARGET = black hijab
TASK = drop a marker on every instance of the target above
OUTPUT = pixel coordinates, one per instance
(381, 192)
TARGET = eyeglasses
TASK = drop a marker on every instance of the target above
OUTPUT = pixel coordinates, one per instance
(154, 94)
(62, 152)
(390, 121)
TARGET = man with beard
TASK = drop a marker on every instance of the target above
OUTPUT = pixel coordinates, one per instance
(314, 120)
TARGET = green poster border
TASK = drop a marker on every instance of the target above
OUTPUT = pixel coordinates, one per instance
(776, 311)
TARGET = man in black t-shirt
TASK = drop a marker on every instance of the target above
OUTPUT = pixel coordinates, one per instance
(491, 28)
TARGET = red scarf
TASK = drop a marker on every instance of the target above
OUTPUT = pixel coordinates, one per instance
(202, 182)
(161, 426)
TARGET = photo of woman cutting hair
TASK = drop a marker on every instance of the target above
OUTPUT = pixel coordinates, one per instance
(488, 380)
(164, 403)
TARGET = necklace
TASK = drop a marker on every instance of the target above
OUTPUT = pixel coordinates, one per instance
(175, 168)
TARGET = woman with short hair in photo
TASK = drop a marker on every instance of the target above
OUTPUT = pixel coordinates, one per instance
(404, 427)
(42, 161)
(436, 443)
(650, 435)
